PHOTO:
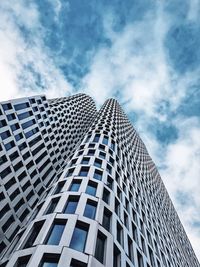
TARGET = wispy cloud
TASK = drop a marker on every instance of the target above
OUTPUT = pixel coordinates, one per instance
(26, 68)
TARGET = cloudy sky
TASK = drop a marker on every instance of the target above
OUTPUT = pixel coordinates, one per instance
(145, 53)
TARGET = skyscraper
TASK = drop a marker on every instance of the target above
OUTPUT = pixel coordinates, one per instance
(105, 205)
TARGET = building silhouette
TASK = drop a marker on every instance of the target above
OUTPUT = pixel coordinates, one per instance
(79, 189)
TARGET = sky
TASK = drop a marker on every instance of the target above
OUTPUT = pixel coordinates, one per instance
(144, 53)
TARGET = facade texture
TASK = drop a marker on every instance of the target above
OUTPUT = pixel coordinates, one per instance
(103, 202)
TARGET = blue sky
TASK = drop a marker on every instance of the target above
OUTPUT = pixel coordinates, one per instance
(144, 53)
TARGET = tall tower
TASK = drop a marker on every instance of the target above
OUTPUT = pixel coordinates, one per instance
(108, 207)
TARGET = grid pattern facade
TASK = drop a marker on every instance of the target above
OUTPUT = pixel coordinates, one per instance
(35, 144)
(108, 208)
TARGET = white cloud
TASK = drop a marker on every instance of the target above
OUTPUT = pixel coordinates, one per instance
(182, 173)
(16, 54)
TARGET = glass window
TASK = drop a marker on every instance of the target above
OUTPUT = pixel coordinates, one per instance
(71, 205)
(5, 135)
(15, 127)
(140, 259)
(96, 138)
(106, 195)
(102, 155)
(91, 152)
(11, 116)
(52, 205)
(130, 248)
(70, 172)
(7, 106)
(100, 247)
(59, 187)
(116, 257)
(85, 160)
(56, 233)
(24, 115)
(2, 123)
(119, 234)
(50, 260)
(22, 261)
(76, 263)
(98, 175)
(79, 237)
(90, 209)
(109, 182)
(21, 106)
(106, 219)
(91, 189)
(28, 124)
(105, 140)
(98, 163)
(84, 171)
(75, 185)
(34, 234)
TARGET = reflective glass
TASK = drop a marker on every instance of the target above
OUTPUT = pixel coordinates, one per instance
(78, 239)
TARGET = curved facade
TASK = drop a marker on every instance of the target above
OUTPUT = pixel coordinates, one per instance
(108, 208)
(36, 138)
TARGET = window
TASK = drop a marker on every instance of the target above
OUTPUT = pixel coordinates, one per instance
(7, 106)
(5, 172)
(71, 205)
(120, 238)
(22, 261)
(79, 237)
(76, 263)
(5, 135)
(105, 140)
(24, 115)
(98, 163)
(75, 185)
(106, 195)
(84, 171)
(90, 209)
(34, 234)
(18, 136)
(100, 247)
(9, 145)
(106, 219)
(98, 175)
(11, 116)
(15, 127)
(3, 159)
(117, 207)
(140, 259)
(91, 152)
(113, 146)
(70, 172)
(49, 260)
(2, 123)
(28, 124)
(91, 189)
(52, 205)
(102, 155)
(96, 138)
(130, 248)
(85, 160)
(56, 233)
(109, 182)
(21, 106)
(116, 257)
(59, 187)
(109, 169)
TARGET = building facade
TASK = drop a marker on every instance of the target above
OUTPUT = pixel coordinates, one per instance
(105, 205)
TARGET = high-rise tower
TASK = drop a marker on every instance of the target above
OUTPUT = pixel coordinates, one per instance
(107, 205)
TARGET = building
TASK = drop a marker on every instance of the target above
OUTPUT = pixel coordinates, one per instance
(104, 205)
